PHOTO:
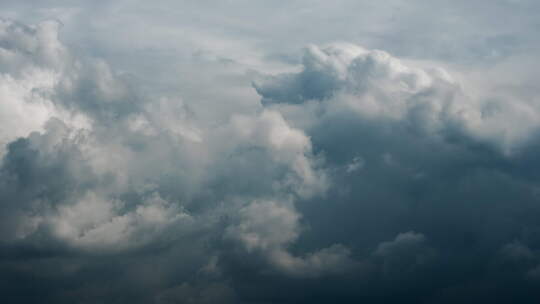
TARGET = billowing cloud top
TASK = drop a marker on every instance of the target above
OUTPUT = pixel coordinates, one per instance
(222, 167)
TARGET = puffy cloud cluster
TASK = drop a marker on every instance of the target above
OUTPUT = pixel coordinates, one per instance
(377, 86)
(409, 148)
(128, 140)
(31, 61)
(93, 165)
(358, 177)
(269, 227)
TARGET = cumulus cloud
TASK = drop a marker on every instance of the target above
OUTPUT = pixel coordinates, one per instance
(288, 146)
(31, 60)
(95, 222)
(269, 227)
(125, 146)
(404, 254)
(103, 168)
(155, 173)
(378, 86)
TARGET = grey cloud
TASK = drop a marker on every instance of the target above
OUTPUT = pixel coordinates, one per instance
(111, 171)
(403, 241)
(378, 86)
(271, 227)
(139, 165)
(24, 46)
(431, 164)
(404, 254)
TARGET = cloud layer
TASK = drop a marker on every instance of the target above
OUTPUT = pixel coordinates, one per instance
(343, 174)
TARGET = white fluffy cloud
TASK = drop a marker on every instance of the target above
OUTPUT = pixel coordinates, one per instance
(378, 86)
(132, 163)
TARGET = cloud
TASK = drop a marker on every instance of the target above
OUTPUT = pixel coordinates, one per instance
(106, 169)
(148, 170)
(128, 147)
(404, 254)
(26, 46)
(268, 227)
(93, 222)
(286, 145)
(31, 61)
(403, 241)
(377, 86)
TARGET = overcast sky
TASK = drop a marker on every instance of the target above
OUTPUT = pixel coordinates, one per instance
(254, 152)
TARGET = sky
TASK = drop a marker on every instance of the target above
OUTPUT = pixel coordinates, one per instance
(262, 152)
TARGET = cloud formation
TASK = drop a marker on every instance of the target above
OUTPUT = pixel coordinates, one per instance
(377, 86)
(270, 227)
(342, 175)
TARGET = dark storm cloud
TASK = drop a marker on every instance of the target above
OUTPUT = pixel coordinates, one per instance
(418, 158)
(353, 176)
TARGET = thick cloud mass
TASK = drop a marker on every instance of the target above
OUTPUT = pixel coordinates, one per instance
(342, 175)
